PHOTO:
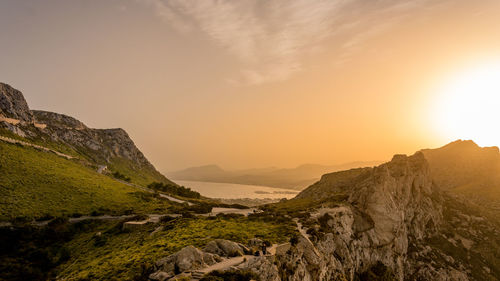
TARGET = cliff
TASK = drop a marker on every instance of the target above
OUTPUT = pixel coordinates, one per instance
(390, 222)
(13, 105)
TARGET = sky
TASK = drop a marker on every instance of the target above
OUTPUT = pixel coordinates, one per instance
(249, 83)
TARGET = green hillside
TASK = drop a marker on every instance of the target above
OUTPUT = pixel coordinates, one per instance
(35, 183)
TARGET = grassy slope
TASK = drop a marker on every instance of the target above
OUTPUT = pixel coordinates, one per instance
(34, 183)
(138, 176)
(123, 253)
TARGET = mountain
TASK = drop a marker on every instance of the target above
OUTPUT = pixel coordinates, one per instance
(99, 147)
(390, 222)
(296, 178)
(53, 165)
(465, 169)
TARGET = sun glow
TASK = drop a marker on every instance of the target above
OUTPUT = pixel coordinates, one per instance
(468, 105)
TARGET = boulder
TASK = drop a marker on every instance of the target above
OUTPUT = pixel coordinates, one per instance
(226, 248)
(187, 259)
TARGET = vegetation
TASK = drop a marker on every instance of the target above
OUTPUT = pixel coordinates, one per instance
(35, 183)
(120, 176)
(44, 140)
(141, 176)
(29, 253)
(175, 190)
(103, 250)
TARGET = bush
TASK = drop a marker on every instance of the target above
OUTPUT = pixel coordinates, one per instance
(175, 190)
(120, 176)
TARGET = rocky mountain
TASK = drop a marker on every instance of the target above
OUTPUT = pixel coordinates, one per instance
(295, 178)
(390, 222)
(101, 147)
(465, 168)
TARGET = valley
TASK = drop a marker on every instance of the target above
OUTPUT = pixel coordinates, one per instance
(85, 204)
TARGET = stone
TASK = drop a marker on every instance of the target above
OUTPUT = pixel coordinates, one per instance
(187, 259)
(226, 248)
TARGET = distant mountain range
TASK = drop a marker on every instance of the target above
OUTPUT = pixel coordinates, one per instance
(296, 178)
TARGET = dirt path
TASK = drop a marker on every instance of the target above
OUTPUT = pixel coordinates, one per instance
(304, 234)
(14, 141)
(225, 264)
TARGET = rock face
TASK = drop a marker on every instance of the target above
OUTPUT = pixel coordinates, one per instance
(380, 212)
(13, 105)
(104, 144)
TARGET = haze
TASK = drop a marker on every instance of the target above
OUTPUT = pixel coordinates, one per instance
(254, 83)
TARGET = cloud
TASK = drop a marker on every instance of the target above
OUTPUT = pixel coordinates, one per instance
(270, 39)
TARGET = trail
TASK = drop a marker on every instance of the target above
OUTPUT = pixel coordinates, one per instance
(304, 234)
(14, 141)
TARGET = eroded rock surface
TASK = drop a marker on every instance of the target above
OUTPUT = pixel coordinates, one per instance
(187, 259)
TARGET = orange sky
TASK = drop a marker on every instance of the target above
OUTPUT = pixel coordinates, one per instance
(248, 83)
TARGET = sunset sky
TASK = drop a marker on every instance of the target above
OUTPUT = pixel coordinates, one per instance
(257, 83)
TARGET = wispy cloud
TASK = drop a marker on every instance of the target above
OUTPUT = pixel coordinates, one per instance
(271, 38)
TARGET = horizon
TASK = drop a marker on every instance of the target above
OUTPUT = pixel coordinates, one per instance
(251, 84)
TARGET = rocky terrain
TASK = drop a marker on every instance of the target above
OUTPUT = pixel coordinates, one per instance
(391, 222)
(101, 147)
(434, 215)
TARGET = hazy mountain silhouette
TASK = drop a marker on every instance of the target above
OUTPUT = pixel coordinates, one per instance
(295, 178)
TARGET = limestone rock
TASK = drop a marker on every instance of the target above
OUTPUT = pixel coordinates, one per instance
(13, 105)
(225, 248)
(187, 259)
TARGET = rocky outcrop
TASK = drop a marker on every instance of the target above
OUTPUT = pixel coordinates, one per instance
(187, 259)
(13, 105)
(226, 248)
(375, 214)
(101, 144)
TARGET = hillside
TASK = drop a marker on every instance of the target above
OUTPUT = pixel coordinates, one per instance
(99, 147)
(462, 167)
(37, 184)
(296, 178)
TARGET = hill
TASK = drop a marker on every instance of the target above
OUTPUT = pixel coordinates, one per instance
(54, 165)
(112, 148)
(462, 167)
(37, 184)
(296, 178)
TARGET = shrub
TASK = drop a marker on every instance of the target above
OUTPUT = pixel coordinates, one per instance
(120, 176)
(175, 190)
